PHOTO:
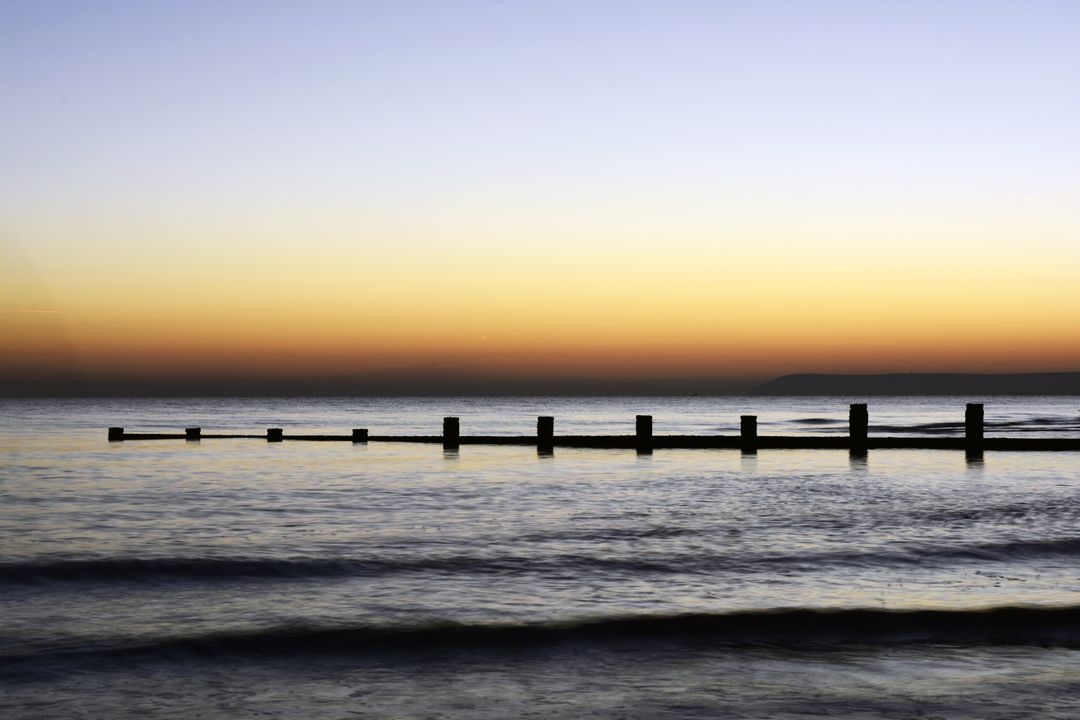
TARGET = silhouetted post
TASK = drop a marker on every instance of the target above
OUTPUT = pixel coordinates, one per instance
(116, 434)
(973, 427)
(545, 432)
(858, 422)
(359, 435)
(748, 432)
(451, 432)
(643, 433)
(274, 434)
(193, 434)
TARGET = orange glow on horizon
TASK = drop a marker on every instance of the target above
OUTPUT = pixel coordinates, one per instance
(745, 303)
(621, 347)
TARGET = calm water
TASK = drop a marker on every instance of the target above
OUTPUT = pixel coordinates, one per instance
(236, 578)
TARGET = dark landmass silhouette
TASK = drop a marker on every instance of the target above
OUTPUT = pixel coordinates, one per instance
(1059, 383)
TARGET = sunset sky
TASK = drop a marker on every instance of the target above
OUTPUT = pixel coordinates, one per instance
(536, 189)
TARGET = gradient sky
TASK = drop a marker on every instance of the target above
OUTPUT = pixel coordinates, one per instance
(537, 188)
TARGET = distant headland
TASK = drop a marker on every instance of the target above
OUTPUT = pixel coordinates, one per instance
(1059, 383)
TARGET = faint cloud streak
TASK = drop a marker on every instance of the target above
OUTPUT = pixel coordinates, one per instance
(30, 311)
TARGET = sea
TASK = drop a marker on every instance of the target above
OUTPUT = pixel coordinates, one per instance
(236, 578)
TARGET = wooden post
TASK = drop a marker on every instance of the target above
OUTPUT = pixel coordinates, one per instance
(858, 422)
(116, 434)
(545, 432)
(359, 435)
(643, 433)
(193, 434)
(973, 427)
(274, 434)
(451, 432)
(748, 433)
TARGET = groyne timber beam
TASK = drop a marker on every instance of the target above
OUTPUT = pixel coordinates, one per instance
(671, 442)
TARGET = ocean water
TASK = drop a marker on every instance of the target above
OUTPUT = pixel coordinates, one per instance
(239, 578)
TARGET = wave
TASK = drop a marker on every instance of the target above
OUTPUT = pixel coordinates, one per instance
(1053, 424)
(609, 534)
(208, 568)
(785, 628)
(1034, 424)
(1005, 551)
(151, 570)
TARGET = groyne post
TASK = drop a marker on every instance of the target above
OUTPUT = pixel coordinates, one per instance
(545, 433)
(858, 424)
(116, 434)
(359, 435)
(274, 434)
(193, 434)
(643, 433)
(748, 433)
(973, 427)
(451, 432)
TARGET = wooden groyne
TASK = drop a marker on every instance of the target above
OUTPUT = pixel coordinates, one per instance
(857, 441)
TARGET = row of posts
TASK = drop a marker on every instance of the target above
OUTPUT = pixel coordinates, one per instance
(858, 430)
(858, 424)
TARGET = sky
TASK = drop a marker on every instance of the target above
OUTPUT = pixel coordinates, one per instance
(366, 196)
